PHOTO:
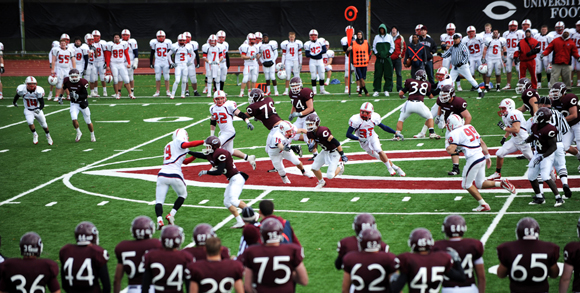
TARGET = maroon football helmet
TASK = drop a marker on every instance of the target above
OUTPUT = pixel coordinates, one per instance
(312, 122)
(255, 96)
(30, 244)
(420, 239)
(421, 75)
(454, 226)
(528, 229)
(86, 233)
(523, 84)
(172, 236)
(447, 93)
(271, 230)
(557, 91)
(369, 240)
(362, 222)
(211, 144)
(142, 227)
(296, 85)
(201, 233)
(542, 116)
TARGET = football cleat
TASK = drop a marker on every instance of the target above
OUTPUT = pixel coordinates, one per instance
(196, 94)
(400, 171)
(104, 93)
(341, 166)
(49, 96)
(494, 176)
(131, 96)
(285, 179)
(273, 170)
(118, 96)
(434, 135)
(156, 94)
(320, 184)
(168, 93)
(346, 90)
(392, 171)
(96, 95)
(160, 224)
(183, 96)
(170, 219)
(49, 139)
(396, 138)
(505, 184)
(78, 137)
(497, 89)
(297, 149)
(419, 135)
(114, 95)
(35, 138)
(238, 225)
(252, 161)
(171, 96)
(313, 156)
(187, 93)
(538, 200)
(482, 208)
(559, 202)
(567, 191)
(205, 90)
(324, 92)
(453, 172)
(267, 93)
(459, 89)
(93, 138)
(386, 94)
(507, 87)
(308, 174)
(285, 93)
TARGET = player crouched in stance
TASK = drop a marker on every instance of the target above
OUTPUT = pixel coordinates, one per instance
(207, 275)
(321, 135)
(224, 165)
(544, 136)
(418, 89)
(363, 125)
(348, 244)
(29, 273)
(421, 262)
(33, 97)
(571, 264)
(470, 252)
(280, 149)
(466, 139)
(77, 89)
(518, 259)
(171, 174)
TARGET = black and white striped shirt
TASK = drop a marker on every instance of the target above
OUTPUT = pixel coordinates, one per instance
(459, 54)
(559, 121)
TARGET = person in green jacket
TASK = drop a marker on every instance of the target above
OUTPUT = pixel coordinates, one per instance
(383, 47)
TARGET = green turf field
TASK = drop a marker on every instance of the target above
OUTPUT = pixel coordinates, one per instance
(50, 189)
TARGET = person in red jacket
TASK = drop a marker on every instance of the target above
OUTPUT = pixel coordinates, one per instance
(397, 54)
(563, 48)
(526, 54)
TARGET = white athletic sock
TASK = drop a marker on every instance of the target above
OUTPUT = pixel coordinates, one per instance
(268, 88)
(328, 80)
(564, 180)
(239, 219)
(173, 212)
(497, 183)
(159, 219)
(424, 129)
(541, 187)
(78, 130)
(321, 88)
(482, 201)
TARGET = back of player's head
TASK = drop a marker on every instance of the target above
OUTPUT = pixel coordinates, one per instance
(267, 207)
(213, 246)
(292, 34)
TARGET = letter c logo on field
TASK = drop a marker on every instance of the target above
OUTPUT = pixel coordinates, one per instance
(488, 10)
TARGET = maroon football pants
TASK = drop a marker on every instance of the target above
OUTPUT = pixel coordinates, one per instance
(531, 67)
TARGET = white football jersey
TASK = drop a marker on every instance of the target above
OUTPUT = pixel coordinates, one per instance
(486, 36)
(100, 49)
(512, 39)
(182, 53)
(315, 47)
(173, 156)
(1, 48)
(79, 53)
(161, 49)
(444, 82)
(364, 128)
(118, 51)
(224, 115)
(516, 116)
(575, 36)
(277, 138)
(474, 45)
(212, 53)
(132, 46)
(194, 46)
(91, 54)
(30, 99)
(495, 48)
(225, 47)
(467, 140)
(544, 41)
(52, 52)
(291, 50)
(329, 54)
(534, 32)
(63, 57)
(447, 39)
(247, 50)
(269, 51)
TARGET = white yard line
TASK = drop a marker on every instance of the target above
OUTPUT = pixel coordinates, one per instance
(24, 121)
(497, 218)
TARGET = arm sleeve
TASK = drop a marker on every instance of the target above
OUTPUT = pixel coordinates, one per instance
(307, 53)
(108, 57)
(455, 274)
(153, 54)
(15, 98)
(188, 160)
(127, 56)
(335, 142)
(399, 284)
(386, 128)
(338, 263)
(242, 115)
(220, 170)
(146, 281)
(198, 155)
(136, 53)
(324, 49)
(349, 133)
(446, 53)
(190, 144)
(344, 48)
(552, 147)
(105, 281)
(86, 58)
(227, 60)
(41, 100)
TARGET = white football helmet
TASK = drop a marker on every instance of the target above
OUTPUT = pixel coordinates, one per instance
(505, 106)
(442, 73)
(187, 36)
(287, 129)
(221, 35)
(281, 74)
(366, 111)
(327, 44)
(418, 27)
(454, 121)
(30, 83)
(512, 24)
(313, 35)
(55, 44)
(212, 40)
(322, 40)
(125, 35)
(450, 26)
(348, 27)
(527, 21)
(470, 29)
(160, 35)
(258, 35)
(97, 35)
(89, 39)
(30, 79)
(560, 24)
(251, 38)
(52, 79)
(181, 135)
(482, 68)
(219, 94)
(108, 78)
(181, 40)
(279, 66)
(64, 37)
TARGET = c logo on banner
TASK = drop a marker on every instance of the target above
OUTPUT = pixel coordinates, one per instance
(488, 10)
(350, 13)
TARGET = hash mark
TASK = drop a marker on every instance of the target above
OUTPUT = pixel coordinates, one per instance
(406, 198)
(102, 203)
(305, 199)
(420, 144)
(355, 199)
(51, 204)
(204, 201)
(46, 150)
(458, 197)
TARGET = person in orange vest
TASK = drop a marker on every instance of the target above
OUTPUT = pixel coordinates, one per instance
(361, 55)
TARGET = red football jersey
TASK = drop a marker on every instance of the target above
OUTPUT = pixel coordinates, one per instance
(372, 268)
(299, 100)
(168, 269)
(216, 276)
(417, 89)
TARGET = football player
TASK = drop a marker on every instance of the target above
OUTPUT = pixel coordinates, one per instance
(222, 160)
(559, 29)
(291, 58)
(513, 124)
(475, 45)
(167, 267)
(130, 254)
(2, 68)
(321, 135)
(225, 63)
(443, 79)
(347, 63)
(361, 266)
(575, 36)
(133, 56)
(463, 137)
(216, 272)
(76, 88)
(512, 37)
(250, 52)
(494, 50)
(263, 261)
(417, 88)
(519, 259)
(201, 234)
(84, 264)
(314, 49)
(62, 59)
(262, 108)
(160, 46)
(118, 61)
(81, 55)
(417, 32)
(543, 135)
(415, 266)
(487, 34)
(32, 95)
(182, 63)
(55, 46)
(191, 69)
(266, 211)
(29, 273)
(446, 43)
(470, 252)
(327, 60)
(363, 126)
(302, 105)
(567, 104)
(529, 96)
(349, 244)
(90, 72)
(100, 48)
(571, 263)
(268, 56)
(543, 64)
(279, 149)
(213, 56)
(527, 24)
(251, 231)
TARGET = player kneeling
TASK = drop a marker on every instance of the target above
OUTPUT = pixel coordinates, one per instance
(76, 88)
(465, 138)
(280, 149)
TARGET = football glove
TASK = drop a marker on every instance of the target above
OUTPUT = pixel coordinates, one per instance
(399, 136)
(172, 65)
(60, 100)
(311, 146)
(287, 148)
(483, 60)
(454, 255)
(151, 66)
(436, 119)
(502, 140)
(74, 95)
(501, 125)
(36, 111)
(344, 158)
(2, 70)
(441, 123)
(504, 59)
(196, 65)
(250, 125)
(105, 66)
(292, 115)
(537, 160)
(15, 105)
(443, 47)
(362, 139)
(517, 60)
(201, 173)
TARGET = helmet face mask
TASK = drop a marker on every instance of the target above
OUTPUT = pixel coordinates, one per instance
(523, 84)
(506, 106)
(366, 111)
(160, 36)
(287, 129)
(446, 94)
(219, 98)
(557, 91)
(312, 122)
(256, 95)
(74, 75)
(31, 84)
(296, 85)
(211, 144)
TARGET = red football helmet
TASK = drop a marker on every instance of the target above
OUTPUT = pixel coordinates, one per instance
(86, 233)
(142, 227)
(362, 222)
(420, 239)
(126, 34)
(296, 85)
(454, 226)
(219, 98)
(30, 244)
(366, 111)
(313, 35)
(172, 236)
(369, 240)
(212, 40)
(201, 233)
(160, 36)
(271, 230)
(528, 229)
(557, 91)
(513, 26)
(97, 35)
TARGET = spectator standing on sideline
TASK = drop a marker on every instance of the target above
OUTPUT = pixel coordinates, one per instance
(361, 55)
(563, 48)
(528, 47)
(398, 53)
(431, 48)
(383, 47)
(416, 55)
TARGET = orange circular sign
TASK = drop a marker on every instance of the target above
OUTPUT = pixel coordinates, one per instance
(350, 13)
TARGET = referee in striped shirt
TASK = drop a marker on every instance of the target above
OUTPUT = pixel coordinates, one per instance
(559, 121)
(460, 61)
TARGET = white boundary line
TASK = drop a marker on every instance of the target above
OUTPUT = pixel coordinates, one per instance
(497, 218)
(13, 124)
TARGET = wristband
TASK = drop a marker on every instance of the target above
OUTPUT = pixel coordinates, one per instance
(487, 156)
(341, 153)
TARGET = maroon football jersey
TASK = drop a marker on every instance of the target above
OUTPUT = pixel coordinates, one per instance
(199, 252)
(542, 136)
(533, 256)
(572, 257)
(216, 276)
(350, 244)
(130, 254)
(526, 96)
(417, 89)
(469, 250)
(321, 137)
(264, 111)
(80, 88)
(564, 104)
(299, 100)
(18, 275)
(267, 277)
(168, 269)
(456, 106)
(220, 156)
(373, 268)
(425, 271)
(83, 261)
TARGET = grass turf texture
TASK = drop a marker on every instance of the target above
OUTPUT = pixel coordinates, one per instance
(25, 166)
